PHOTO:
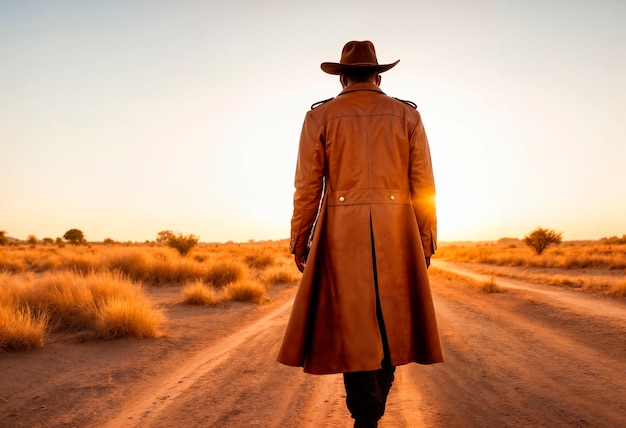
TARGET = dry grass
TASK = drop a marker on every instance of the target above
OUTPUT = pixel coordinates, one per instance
(198, 293)
(491, 286)
(590, 267)
(120, 317)
(246, 291)
(223, 273)
(260, 259)
(103, 304)
(21, 329)
(594, 256)
(280, 275)
(98, 289)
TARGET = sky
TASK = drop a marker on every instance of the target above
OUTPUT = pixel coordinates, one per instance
(123, 118)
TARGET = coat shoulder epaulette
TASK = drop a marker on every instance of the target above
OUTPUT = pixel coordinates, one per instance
(411, 103)
(319, 103)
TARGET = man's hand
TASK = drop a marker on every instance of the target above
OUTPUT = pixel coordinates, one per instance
(427, 262)
(301, 261)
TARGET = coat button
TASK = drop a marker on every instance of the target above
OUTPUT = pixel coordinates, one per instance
(392, 197)
(341, 199)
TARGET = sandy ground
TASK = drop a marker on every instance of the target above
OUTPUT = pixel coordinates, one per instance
(532, 356)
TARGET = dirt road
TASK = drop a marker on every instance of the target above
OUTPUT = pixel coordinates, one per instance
(532, 356)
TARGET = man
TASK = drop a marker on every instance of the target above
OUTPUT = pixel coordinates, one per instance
(363, 230)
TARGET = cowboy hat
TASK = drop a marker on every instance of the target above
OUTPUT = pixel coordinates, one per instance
(357, 55)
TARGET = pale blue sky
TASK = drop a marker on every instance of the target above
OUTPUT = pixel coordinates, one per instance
(124, 118)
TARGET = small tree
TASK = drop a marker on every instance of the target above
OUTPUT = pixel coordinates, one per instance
(164, 236)
(183, 244)
(75, 237)
(3, 237)
(32, 240)
(540, 239)
(47, 241)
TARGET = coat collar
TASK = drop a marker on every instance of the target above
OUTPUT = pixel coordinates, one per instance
(365, 86)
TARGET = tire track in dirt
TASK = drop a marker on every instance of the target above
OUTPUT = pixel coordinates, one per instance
(538, 357)
(148, 407)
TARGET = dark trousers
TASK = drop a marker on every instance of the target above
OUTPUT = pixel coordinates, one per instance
(366, 392)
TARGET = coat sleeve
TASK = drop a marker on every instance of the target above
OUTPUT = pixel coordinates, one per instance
(423, 194)
(309, 184)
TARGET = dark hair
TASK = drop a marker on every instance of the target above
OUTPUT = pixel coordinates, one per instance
(359, 75)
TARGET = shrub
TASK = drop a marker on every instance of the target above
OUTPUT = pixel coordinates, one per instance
(3, 237)
(164, 236)
(183, 244)
(74, 237)
(540, 239)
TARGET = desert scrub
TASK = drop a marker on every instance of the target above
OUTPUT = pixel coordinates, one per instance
(21, 329)
(153, 266)
(593, 256)
(245, 291)
(122, 317)
(182, 243)
(260, 259)
(280, 275)
(199, 293)
(490, 286)
(11, 261)
(68, 301)
(225, 272)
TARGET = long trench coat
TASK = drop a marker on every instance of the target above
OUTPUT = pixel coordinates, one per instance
(364, 204)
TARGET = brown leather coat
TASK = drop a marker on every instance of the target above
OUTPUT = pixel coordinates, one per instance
(365, 156)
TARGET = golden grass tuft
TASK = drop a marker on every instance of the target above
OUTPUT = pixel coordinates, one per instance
(260, 259)
(198, 293)
(11, 261)
(223, 273)
(21, 329)
(491, 286)
(64, 297)
(120, 317)
(72, 302)
(280, 275)
(246, 291)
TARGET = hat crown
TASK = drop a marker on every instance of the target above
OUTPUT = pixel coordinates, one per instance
(359, 53)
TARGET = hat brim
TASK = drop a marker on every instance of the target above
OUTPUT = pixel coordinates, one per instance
(338, 68)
